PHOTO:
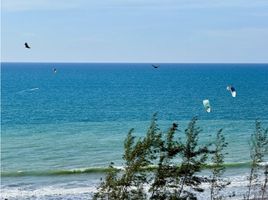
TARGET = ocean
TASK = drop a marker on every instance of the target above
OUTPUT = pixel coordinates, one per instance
(60, 131)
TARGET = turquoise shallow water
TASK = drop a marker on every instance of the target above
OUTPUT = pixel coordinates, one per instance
(57, 147)
(56, 126)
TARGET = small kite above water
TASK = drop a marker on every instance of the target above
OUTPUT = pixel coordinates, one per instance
(207, 105)
(232, 90)
(26, 45)
(156, 66)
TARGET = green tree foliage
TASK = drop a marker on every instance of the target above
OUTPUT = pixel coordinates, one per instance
(216, 181)
(264, 187)
(258, 147)
(193, 158)
(175, 176)
(129, 184)
(179, 162)
(165, 177)
(108, 188)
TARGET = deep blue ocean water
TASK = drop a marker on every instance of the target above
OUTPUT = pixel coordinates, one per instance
(77, 118)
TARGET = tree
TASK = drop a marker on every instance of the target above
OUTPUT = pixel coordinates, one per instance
(216, 182)
(164, 180)
(129, 184)
(108, 188)
(264, 187)
(175, 176)
(258, 147)
(175, 180)
(193, 158)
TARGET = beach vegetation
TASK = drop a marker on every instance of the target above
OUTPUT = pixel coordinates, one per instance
(165, 183)
(264, 189)
(139, 154)
(167, 165)
(217, 183)
(159, 166)
(193, 158)
(258, 149)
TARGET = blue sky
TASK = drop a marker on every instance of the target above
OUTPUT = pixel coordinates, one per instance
(194, 31)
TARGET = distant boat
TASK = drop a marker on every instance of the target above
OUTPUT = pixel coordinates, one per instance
(156, 66)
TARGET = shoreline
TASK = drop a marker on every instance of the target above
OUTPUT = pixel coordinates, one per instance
(103, 170)
(83, 186)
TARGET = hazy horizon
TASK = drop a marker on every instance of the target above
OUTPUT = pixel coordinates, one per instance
(130, 62)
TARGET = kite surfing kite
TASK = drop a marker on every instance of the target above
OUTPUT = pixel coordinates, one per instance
(207, 105)
(232, 90)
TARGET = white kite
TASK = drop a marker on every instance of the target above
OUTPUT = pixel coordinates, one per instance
(207, 105)
(232, 90)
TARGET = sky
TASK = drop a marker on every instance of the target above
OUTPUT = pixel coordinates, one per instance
(156, 31)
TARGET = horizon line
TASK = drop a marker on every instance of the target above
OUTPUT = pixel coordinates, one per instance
(130, 62)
